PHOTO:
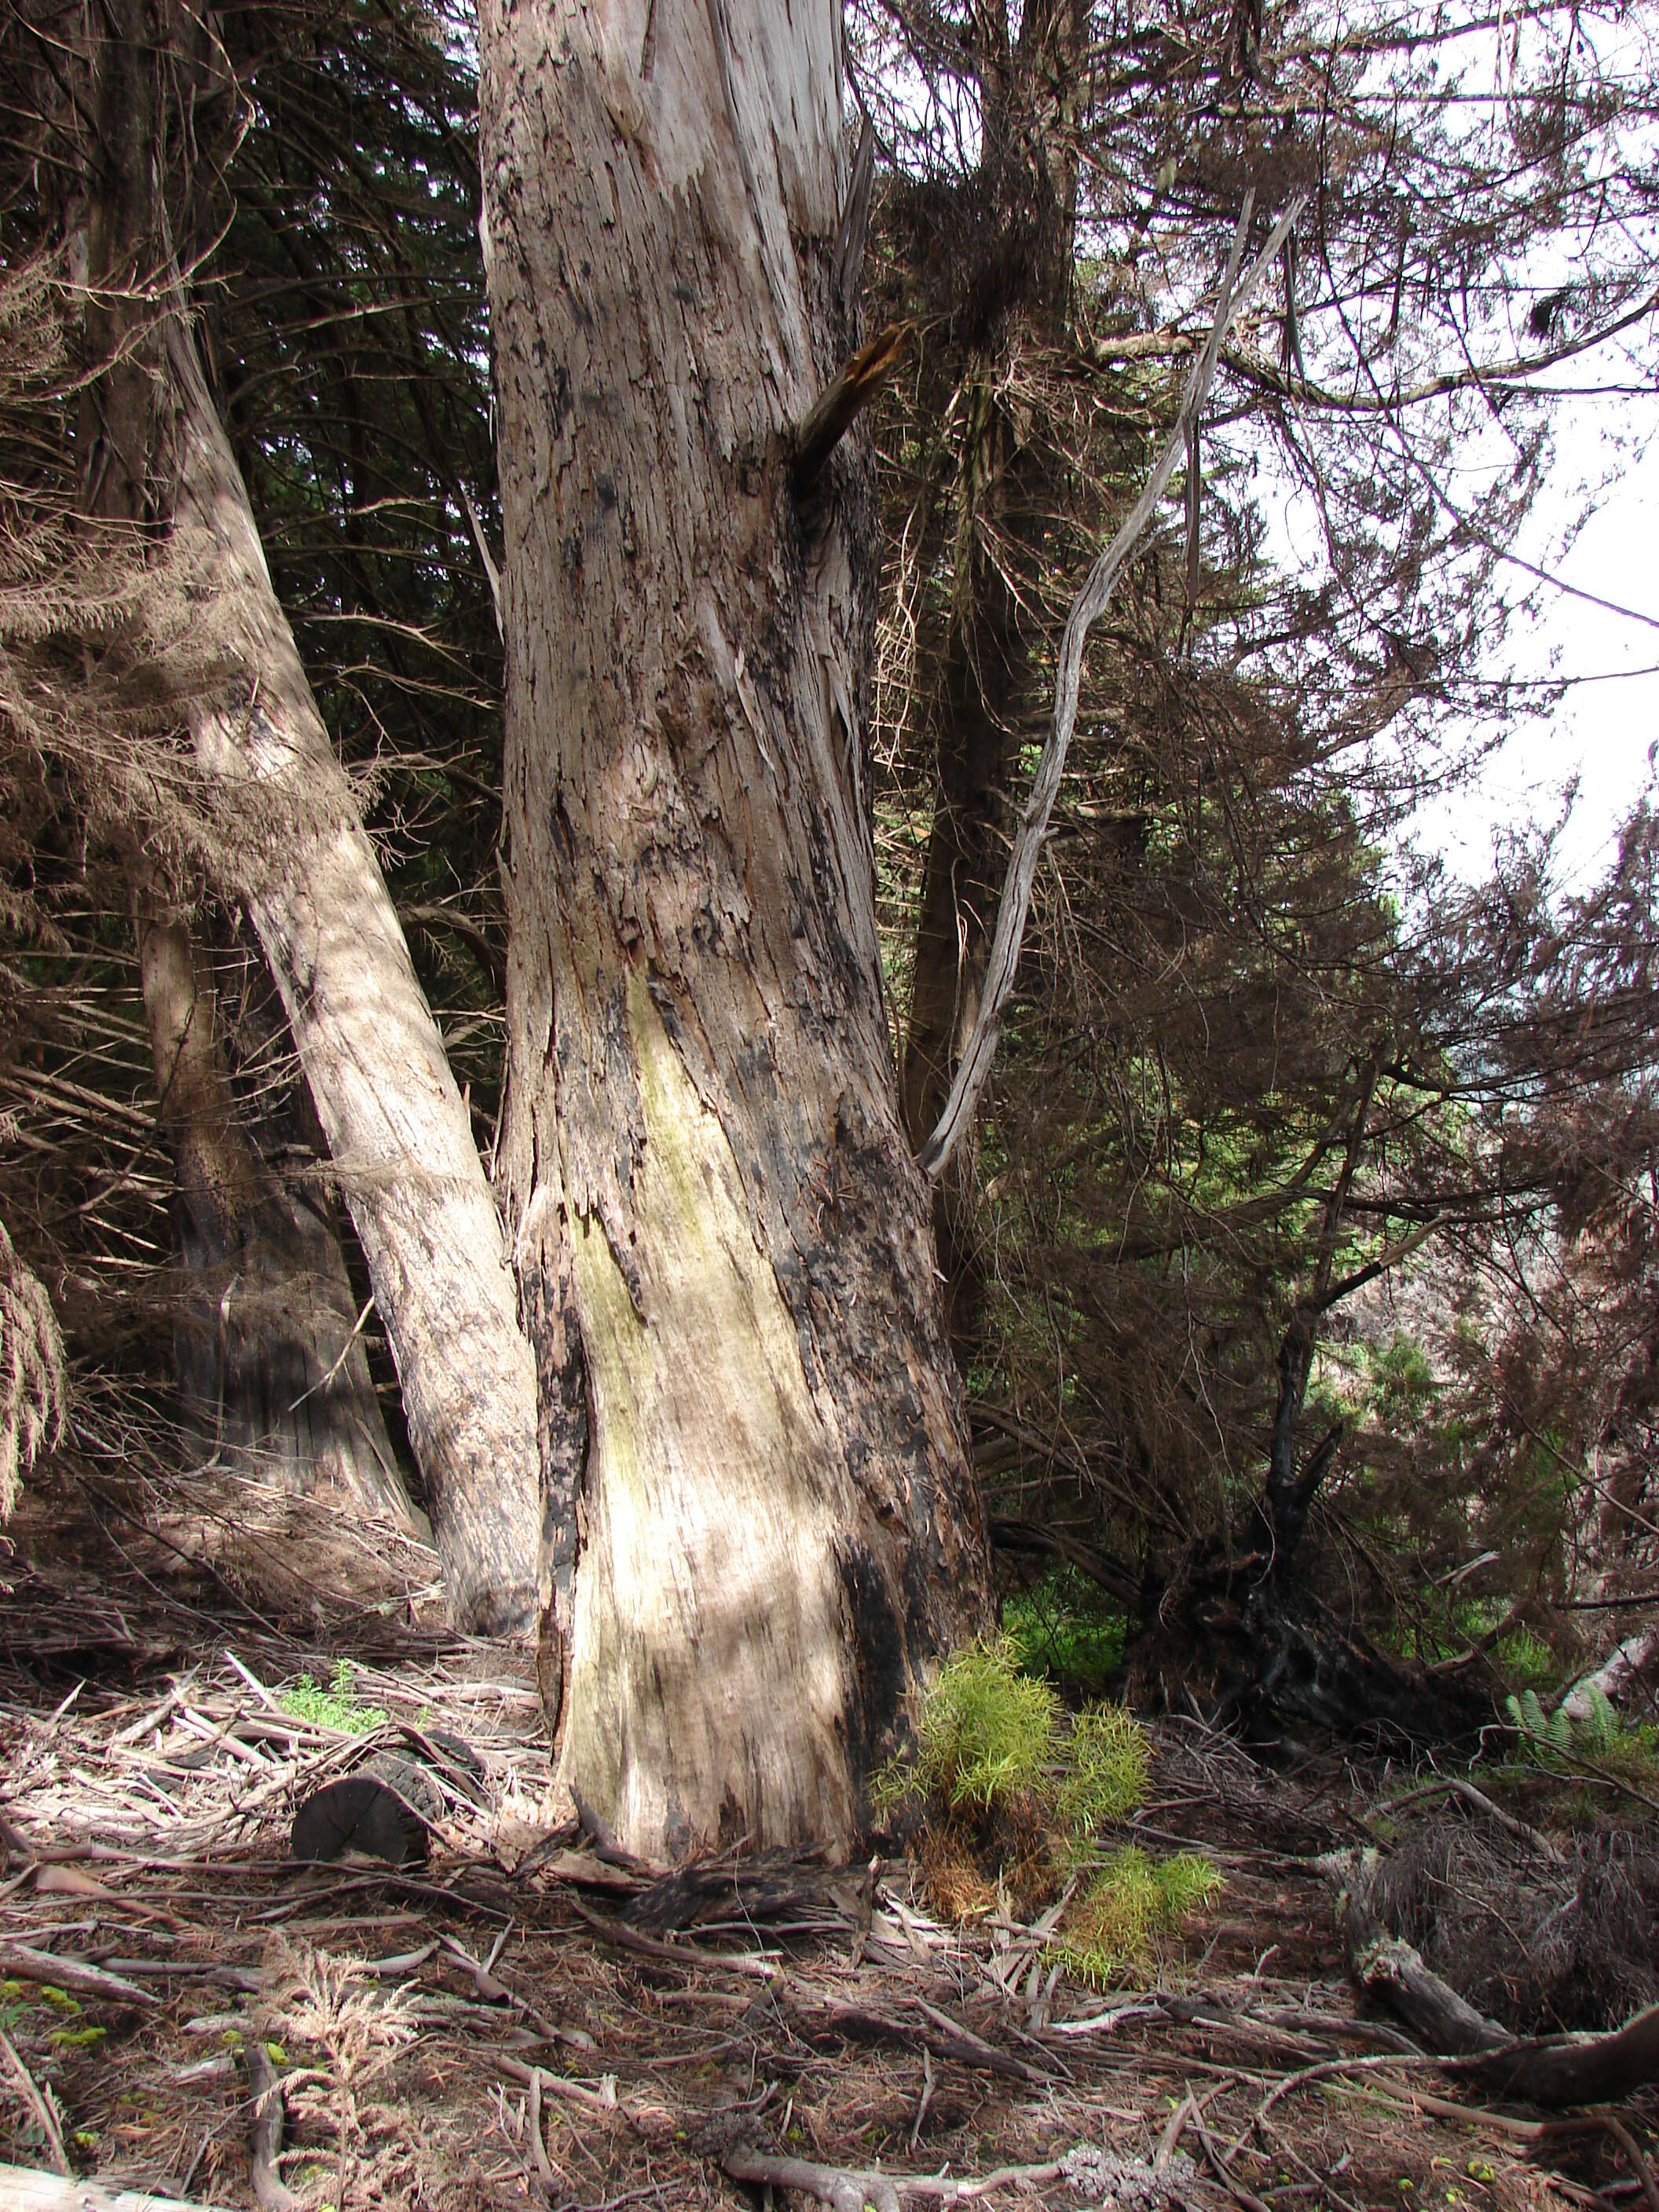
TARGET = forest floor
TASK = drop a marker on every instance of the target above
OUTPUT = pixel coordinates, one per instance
(518, 2022)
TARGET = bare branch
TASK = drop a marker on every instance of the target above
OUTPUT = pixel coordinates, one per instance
(1088, 607)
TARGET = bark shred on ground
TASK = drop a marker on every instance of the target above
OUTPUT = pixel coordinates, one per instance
(186, 2010)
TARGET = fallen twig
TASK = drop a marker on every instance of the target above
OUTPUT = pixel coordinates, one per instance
(834, 2185)
(270, 2192)
(1454, 1785)
(678, 1954)
(1638, 2164)
(38, 2103)
(23, 2189)
(74, 1975)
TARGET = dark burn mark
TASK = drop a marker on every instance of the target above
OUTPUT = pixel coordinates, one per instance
(880, 1660)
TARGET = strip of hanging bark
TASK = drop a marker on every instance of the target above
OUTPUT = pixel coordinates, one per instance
(1087, 608)
(1544, 2070)
(833, 414)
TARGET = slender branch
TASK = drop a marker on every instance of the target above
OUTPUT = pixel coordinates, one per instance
(1089, 604)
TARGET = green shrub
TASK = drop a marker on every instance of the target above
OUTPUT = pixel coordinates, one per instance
(1065, 1629)
(337, 1707)
(986, 1733)
(1132, 1900)
(1107, 1761)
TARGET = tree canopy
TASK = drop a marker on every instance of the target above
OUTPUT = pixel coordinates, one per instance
(1309, 1212)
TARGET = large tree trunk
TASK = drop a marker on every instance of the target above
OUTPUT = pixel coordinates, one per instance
(268, 1357)
(396, 1126)
(720, 1214)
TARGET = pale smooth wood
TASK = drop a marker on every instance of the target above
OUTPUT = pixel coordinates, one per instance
(24, 2189)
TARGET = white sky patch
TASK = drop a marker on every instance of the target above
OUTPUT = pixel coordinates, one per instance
(1602, 733)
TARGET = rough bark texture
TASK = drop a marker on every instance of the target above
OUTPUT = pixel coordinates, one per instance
(156, 453)
(267, 1350)
(397, 1128)
(719, 1213)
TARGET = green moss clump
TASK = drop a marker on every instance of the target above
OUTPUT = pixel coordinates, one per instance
(1132, 1901)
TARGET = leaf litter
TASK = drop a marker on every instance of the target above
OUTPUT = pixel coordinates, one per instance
(523, 2021)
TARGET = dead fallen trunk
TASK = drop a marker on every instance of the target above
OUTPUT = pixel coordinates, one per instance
(1552, 2070)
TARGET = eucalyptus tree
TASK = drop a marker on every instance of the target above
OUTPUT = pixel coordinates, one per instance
(718, 1217)
(120, 141)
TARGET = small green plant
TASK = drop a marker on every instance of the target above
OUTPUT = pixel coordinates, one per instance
(986, 1732)
(1521, 1656)
(1132, 1900)
(1107, 1763)
(337, 1707)
(1539, 1731)
(1596, 1735)
(1065, 1630)
(75, 2039)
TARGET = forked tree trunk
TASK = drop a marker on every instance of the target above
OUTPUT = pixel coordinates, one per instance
(268, 1352)
(397, 1128)
(718, 1212)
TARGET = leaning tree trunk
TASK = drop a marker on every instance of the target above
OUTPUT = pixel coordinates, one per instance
(395, 1122)
(268, 1354)
(398, 1129)
(718, 1212)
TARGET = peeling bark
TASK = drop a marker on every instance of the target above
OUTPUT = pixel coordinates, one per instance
(396, 1124)
(778, 1529)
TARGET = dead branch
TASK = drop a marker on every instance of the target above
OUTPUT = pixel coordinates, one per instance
(1087, 608)
(74, 1975)
(270, 2192)
(1544, 2070)
(833, 2186)
(23, 2190)
(38, 2102)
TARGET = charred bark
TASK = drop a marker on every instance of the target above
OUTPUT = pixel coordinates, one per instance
(778, 1529)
